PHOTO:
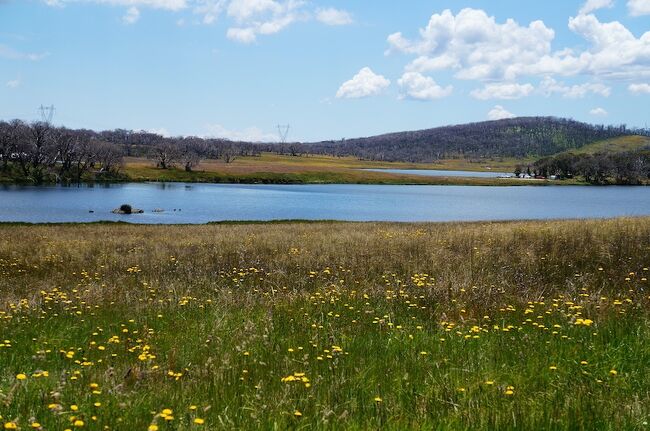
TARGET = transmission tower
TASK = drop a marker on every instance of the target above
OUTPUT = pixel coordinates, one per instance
(47, 113)
(283, 132)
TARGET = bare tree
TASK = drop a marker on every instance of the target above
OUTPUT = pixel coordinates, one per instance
(108, 156)
(166, 155)
(192, 150)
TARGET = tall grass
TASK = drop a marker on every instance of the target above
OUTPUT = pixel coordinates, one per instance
(530, 325)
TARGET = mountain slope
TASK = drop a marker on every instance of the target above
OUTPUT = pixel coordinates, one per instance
(616, 145)
(517, 137)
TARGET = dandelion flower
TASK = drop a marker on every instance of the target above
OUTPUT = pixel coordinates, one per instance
(21, 376)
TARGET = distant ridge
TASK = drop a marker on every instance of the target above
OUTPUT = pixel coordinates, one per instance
(515, 137)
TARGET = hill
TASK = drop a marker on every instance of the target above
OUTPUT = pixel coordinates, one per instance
(518, 137)
(616, 145)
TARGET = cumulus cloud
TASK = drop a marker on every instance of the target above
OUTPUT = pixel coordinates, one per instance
(209, 9)
(416, 86)
(615, 52)
(592, 5)
(251, 134)
(506, 91)
(550, 86)
(639, 88)
(249, 18)
(364, 84)
(639, 7)
(262, 17)
(598, 112)
(476, 47)
(499, 113)
(331, 16)
(14, 83)
(132, 15)
(173, 5)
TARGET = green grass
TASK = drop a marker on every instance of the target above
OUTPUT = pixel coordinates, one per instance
(395, 326)
(616, 145)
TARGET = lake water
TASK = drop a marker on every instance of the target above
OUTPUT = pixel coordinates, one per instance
(201, 203)
(439, 173)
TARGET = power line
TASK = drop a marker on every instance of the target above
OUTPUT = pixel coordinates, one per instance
(283, 132)
(47, 113)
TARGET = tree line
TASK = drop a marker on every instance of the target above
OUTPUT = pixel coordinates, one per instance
(630, 167)
(40, 152)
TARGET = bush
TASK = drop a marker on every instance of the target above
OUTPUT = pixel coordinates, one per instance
(126, 208)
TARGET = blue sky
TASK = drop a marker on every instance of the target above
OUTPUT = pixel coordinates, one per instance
(330, 68)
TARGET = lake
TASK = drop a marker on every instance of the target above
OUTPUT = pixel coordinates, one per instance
(441, 173)
(201, 203)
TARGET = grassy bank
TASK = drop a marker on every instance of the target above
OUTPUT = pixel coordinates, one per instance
(527, 325)
(274, 169)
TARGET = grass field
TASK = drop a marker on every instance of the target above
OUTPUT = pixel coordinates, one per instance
(526, 325)
(616, 145)
(271, 168)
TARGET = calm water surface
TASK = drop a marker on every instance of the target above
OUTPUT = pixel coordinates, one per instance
(200, 203)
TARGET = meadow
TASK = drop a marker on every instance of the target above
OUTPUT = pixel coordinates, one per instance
(518, 325)
(313, 169)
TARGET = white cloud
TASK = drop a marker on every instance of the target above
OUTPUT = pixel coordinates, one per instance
(209, 9)
(550, 86)
(615, 52)
(262, 17)
(251, 134)
(639, 7)
(639, 88)
(173, 5)
(364, 84)
(419, 87)
(14, 83)
(11, 54)
(506, 91)
(160, 131)
(499, 113)
(592, 5)
(242, 35)
(476, 47)
(331, 16)
(243, 10)
(131, 16)
(598, 112)
(249, 18)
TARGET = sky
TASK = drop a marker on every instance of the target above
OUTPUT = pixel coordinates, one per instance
(331, 69)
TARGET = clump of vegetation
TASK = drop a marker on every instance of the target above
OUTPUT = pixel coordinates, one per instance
(623, 168)
(126, 208)
(532, 325)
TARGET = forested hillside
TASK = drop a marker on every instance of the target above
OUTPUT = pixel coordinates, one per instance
(517, 137)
